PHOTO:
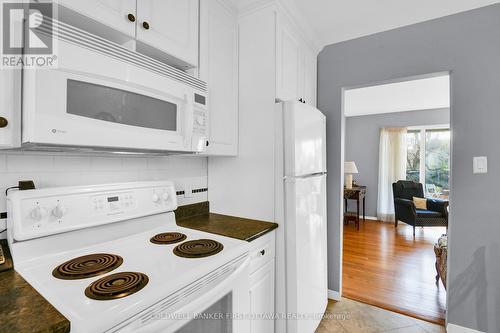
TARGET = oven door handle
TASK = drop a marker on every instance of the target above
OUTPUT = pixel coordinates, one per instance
(238, 283)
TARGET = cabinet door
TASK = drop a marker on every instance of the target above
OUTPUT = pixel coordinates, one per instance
(287, 61)
(309, 65)
(170, 26)
(113, 13)
(219, 67)
(262, 299)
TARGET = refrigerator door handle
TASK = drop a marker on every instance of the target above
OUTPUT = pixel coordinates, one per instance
(311, 175)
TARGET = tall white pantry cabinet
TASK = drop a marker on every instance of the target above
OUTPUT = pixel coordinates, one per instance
(275, 62)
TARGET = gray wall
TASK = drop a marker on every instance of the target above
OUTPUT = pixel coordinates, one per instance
(362, 144)
(468, 45)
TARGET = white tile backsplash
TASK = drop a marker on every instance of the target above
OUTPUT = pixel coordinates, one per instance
(51, 170)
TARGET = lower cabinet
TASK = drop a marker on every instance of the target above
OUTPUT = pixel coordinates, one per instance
(262, 299)
(262, 266)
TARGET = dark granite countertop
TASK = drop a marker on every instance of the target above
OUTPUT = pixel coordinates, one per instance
(198, 217)
(23, 309)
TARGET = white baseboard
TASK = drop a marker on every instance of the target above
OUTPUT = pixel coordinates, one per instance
(335, 295)
(376, 219)
(451, 328)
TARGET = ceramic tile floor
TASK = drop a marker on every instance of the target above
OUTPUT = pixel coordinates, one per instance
(348, 316)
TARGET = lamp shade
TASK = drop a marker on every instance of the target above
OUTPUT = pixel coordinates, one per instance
(350, 167)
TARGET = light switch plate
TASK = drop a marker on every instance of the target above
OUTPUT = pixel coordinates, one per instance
(480, 164)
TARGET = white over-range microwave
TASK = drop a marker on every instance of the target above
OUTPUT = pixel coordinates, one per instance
(104, 97)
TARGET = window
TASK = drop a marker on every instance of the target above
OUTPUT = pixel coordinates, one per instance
(428, 160)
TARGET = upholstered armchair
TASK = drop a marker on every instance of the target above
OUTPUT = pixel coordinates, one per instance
(436, 214)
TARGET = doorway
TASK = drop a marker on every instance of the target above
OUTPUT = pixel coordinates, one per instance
(397, 131)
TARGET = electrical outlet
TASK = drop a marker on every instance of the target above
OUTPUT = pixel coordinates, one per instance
(188, 191)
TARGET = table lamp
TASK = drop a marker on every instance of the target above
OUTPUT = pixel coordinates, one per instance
(349, 169)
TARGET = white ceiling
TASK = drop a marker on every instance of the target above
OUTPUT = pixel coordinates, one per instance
(339, 20)
(422, 94)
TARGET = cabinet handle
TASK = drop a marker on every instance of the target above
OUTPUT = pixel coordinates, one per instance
(145, 25)
(262, 252)
(131, 17)
(3, 122)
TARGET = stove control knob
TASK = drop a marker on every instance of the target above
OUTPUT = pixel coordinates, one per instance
(38, 213)
(59, 210)
(165, 196)
(155, 197)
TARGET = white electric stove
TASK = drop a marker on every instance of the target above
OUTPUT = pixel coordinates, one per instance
(112, 259)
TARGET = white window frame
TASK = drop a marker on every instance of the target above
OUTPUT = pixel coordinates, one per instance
(423, 130)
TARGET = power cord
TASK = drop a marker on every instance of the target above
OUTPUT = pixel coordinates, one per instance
(22, 185)
(10, 188)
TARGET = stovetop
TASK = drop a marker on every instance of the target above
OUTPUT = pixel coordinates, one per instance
(165, 271)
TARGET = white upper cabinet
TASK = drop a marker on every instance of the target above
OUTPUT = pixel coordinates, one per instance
(165, 29)
(287, 62)
(309, 72)
(118, 14)
(219, 68)
(295, 65)
(170, 26)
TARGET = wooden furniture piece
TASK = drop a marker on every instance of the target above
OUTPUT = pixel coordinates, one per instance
(441, 251)
(357, 193)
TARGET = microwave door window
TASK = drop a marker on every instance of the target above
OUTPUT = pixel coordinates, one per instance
(119, 106)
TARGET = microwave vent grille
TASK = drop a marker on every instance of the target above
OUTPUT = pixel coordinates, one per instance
(82, 38)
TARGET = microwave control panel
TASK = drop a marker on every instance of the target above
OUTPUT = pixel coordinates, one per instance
(199, 140)
(200, 115)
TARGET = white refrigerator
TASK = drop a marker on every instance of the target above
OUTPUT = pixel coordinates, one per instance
(300, 199)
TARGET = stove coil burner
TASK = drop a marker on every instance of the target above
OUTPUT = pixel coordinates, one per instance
(87, 266)
(116, 285)
(198, 248)
(168, 238)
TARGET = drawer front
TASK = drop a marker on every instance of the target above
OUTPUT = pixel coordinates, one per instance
(262, 251)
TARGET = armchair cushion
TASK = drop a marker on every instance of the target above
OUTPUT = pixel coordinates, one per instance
(428, 213)
(420, 203)
(437, 205)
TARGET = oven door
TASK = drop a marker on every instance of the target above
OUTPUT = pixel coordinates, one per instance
(92, 100)
(218, 307)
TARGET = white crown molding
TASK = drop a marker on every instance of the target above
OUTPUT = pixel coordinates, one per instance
(229, 5)
(305, 28)
(290, 10)
(245, 7)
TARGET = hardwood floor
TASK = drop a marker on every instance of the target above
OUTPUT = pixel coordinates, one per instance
(384, 266)
(348, 316)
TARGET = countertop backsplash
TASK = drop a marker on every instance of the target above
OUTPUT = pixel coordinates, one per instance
(62, 169)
